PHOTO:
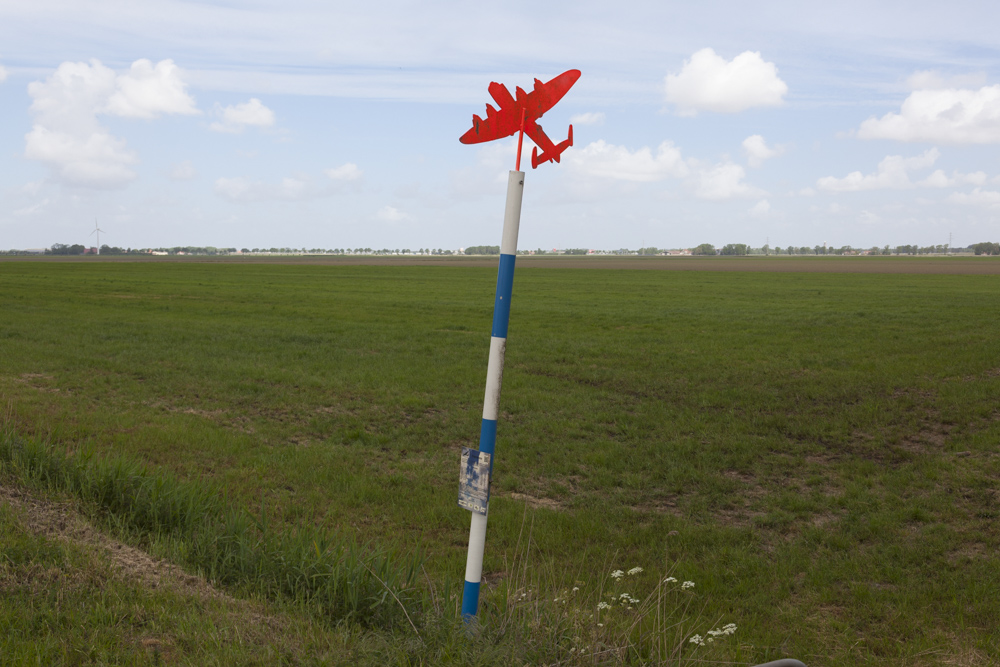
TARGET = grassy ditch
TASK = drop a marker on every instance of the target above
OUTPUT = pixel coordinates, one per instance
(330, 578)
(330, 573)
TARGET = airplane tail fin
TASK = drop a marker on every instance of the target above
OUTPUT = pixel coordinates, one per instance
(554, 154)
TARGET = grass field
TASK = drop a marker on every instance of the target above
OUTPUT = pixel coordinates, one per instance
(817, 451)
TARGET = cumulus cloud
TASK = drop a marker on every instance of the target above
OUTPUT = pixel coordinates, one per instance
(893, 173)
(391, 214)
(66, 135)
(947, 116)
(978, 197)
(287, 189)
(604, 160)
(345, 172)
(236, 118)
(488, 175)
(148, 90)
(3, 74)
(708, 82)
(760, 209)
(32, 209)
(723, 181)
(290, 188)
(938, 179)
(589, 118)
(757, 150)
(183, 171)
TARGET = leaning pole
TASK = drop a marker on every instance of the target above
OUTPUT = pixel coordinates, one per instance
(516, 115)
(494, 379)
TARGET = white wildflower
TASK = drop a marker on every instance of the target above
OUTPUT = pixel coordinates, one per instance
(697, 639)
(686, 585)
(617, 574)
(603, 605)
(576, 588)
(669, 580)
(634, 570)
(723, 631)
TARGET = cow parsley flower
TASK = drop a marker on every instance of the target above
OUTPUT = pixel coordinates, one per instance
(617, 574)
(686, 585)
(634, 570)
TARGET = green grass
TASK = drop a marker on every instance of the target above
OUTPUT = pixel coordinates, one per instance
(818, 452)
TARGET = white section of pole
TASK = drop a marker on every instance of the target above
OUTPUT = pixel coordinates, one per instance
(512, 213)
(494, 378)
(477, 545)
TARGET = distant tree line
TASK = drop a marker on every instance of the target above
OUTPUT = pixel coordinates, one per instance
(730, 249)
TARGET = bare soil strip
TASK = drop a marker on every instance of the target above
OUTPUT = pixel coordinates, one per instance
(61, 521)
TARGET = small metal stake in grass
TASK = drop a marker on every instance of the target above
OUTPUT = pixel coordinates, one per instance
(516, 114)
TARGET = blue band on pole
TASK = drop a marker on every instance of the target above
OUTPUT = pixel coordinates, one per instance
(505, 286)
(488, 437)
(470, 599)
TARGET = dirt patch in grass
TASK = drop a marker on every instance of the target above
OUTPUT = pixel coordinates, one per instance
(535, 502)
(59, 520)
(660, 506)
(37, 382)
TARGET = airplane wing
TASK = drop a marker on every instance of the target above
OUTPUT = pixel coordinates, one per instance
(546, 95)
(497, 124)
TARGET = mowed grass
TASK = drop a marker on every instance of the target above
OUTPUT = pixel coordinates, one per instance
(818, 452)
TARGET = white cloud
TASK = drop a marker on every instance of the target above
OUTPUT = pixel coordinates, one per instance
(235, 189)
(948, 116)
(869, 218)
(345, 172)
(604, 160)
(939, 179)
(391, 214)
(236, 118)
(94, 160)
(290, 188)
(242, 190)
(183, 171)
(29, 210)
(708, 82)
(589, 118)
(3, 74)
(760, 209)
(978, 197)
(148, 90)
(893, 173)
(488, 175)
(66, 135)
(723, 181)
(757, 150)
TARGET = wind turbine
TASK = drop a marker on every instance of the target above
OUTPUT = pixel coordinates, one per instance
(97, 230)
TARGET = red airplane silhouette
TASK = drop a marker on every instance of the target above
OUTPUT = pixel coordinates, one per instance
(522, 112)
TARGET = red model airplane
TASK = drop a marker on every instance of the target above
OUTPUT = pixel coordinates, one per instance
(521, 113)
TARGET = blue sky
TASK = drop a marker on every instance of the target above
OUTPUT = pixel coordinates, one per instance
(325, 124)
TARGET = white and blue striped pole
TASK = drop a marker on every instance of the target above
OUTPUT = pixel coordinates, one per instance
(494, 377)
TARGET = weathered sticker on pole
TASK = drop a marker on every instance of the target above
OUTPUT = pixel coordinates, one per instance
(474, 481)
